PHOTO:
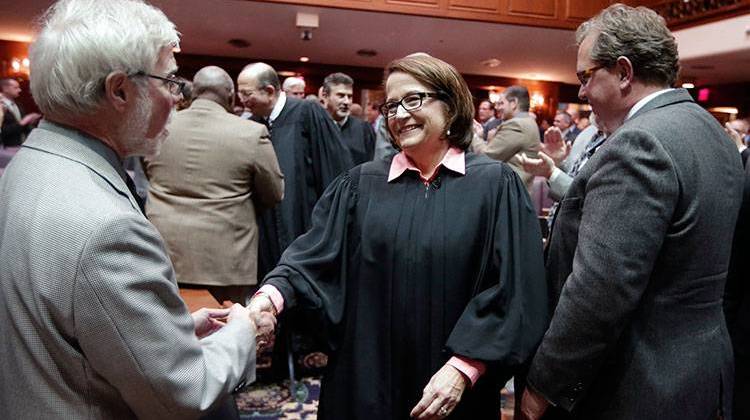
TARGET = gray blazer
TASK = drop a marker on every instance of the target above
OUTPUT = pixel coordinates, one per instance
(91, 321)
(638, 331)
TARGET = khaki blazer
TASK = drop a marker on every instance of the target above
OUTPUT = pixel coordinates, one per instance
(206, 184)
(516, 135)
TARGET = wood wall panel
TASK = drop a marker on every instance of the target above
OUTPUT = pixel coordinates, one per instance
(482, 6)
(582, 10)
(536, 8)
(540, 13)
(414, 3)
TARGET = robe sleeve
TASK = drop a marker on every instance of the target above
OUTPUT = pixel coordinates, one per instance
(312, 271)
(504, 321)
(330, 157)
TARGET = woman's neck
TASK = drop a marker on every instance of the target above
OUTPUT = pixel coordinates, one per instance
(428, 160)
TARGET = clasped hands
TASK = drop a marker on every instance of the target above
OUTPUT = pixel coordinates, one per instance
(261, 316)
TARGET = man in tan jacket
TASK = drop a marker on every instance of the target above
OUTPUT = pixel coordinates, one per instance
(517, 134)
(213, 173)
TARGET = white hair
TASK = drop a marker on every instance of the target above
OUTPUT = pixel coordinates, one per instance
(290, 82)
(82, 41)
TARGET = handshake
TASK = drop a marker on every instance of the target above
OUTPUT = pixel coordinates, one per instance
(260, 312)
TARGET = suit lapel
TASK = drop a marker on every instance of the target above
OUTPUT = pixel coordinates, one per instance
(665, 99)
(75, 146)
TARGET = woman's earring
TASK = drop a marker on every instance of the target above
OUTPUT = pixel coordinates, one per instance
(448, 133)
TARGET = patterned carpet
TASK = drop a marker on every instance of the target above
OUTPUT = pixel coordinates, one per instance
(274, 401)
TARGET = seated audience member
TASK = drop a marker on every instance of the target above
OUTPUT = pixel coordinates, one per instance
(212, 173)
(294, 87)
(428, 314)
(92, 322)
(357, 134)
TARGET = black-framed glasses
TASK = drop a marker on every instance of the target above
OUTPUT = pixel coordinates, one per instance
(584, 75)
(410, 102)
(174, 85)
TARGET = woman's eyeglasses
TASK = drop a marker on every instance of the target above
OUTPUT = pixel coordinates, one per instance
(410, 102)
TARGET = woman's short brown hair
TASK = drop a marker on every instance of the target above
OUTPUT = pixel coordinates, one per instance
(445, 79)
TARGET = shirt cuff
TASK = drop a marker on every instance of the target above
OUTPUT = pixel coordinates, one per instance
(555, 173)
(473, 369)
(276, 298)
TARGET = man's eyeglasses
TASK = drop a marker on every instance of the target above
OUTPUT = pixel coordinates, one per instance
(584, 75)
(174, 85)
(410, 102)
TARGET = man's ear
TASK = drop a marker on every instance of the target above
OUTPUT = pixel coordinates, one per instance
(118, 90)
(270, 90)
(625, 71)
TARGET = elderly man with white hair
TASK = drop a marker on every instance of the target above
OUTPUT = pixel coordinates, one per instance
(92, 322)
(294, 87)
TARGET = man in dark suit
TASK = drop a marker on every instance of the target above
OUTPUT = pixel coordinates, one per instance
(16, 124)
(639, 250)
(357, 135)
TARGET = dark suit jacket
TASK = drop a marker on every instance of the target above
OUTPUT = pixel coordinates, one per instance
(639, 256)
(13, 132)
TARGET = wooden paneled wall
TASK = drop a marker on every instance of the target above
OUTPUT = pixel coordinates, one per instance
(564, 14)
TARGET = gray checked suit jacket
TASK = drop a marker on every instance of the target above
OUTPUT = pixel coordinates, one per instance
(91, 322)
(638, 259)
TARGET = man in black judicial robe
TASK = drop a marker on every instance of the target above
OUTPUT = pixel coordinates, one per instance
(310, 151)
(404, 277)
(357, 135)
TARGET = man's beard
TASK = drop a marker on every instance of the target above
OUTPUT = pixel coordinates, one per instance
(133, 133)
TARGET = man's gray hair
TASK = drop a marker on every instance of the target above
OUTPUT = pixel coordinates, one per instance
(291, 82)
(336, 79)
(639, 34)
(82, 41)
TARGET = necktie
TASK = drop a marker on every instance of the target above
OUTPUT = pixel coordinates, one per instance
(138, 199)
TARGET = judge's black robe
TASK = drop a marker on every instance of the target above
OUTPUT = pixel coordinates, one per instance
(311, 154)
(359, 137)
(404, 276)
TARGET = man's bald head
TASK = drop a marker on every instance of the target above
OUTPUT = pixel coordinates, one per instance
(215, 84)
(258, 86)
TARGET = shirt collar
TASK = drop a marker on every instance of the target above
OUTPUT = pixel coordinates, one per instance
(454, 159)
(278, 107)
(342, 123)
(640, 104)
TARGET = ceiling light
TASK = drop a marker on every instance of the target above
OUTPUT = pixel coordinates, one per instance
(286, 73)
(688, 85)
(304, 59)
(492, 62)
(725, 110)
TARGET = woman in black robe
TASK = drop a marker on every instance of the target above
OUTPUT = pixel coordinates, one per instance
(424, 270)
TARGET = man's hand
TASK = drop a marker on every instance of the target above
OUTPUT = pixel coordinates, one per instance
(554, 146)
(533, 405)
(478, 129)
(542, 166)
(208, 320)
(30, 118)
(263, 314)
(441, 395)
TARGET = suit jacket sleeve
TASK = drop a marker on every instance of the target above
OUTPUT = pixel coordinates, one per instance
(509, 140)
(559, 185)
(137, 333)
(268, 181)
(12, 127)
(630, 198)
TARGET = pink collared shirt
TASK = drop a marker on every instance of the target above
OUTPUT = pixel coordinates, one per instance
(455, 160)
